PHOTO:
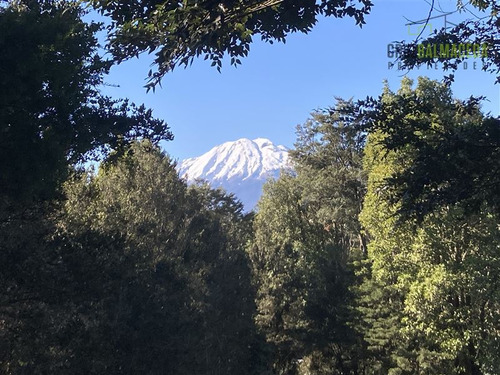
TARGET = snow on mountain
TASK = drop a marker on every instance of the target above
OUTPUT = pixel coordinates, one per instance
(240, 167)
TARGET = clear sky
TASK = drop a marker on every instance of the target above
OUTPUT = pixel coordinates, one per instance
(278, 85)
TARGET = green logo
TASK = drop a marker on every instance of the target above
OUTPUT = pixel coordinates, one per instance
(452, 51)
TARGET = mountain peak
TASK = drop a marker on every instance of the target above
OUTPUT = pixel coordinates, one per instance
(240, 167)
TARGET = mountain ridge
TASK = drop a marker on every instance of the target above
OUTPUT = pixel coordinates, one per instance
(240, 167)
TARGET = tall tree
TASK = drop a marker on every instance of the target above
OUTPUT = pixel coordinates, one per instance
(51, 117)
(51, 111)
(139, 275)
(427, 278)
(457, 161)
(299, 279)
(328, 157)
(306, 235)
(188, 302)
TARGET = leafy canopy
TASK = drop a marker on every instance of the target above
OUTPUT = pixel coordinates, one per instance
(179, 31)
(430, 303)
(51, 111)
(455, 149)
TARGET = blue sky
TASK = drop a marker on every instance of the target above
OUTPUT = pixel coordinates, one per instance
(278, 85)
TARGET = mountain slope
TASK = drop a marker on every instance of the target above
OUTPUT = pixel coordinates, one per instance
(240, 167)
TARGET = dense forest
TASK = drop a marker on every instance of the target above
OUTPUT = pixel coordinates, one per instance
(379, 254)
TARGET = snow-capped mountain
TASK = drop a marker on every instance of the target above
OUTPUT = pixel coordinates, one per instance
(240, 167)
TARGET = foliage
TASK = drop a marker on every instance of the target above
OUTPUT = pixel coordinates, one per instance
(299, 279)
(439, 272)
(306, 235)
(328, 158)
(138, 276)
(378, 255)
(481, 31)
(180, 31)
(455, 149)
(51, 111)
